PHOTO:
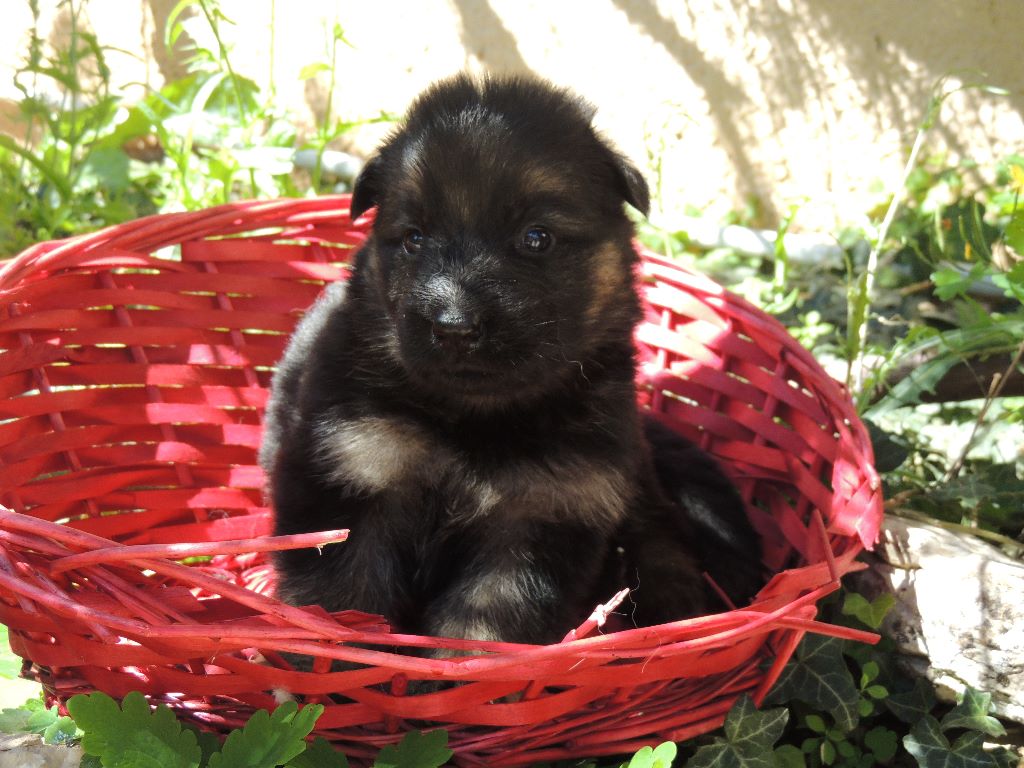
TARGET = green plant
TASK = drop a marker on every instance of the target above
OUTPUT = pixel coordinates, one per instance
(852, 708)
(89, 159)
(64, 178)
(35, 717)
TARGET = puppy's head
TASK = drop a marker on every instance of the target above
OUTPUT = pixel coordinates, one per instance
(500, 249)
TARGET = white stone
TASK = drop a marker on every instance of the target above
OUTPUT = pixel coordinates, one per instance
(959, 612)
(27, 750)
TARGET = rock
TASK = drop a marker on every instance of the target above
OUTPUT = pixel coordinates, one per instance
(27, 750)
(959, 612)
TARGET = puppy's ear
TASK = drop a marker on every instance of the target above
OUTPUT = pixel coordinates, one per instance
(367, 188)
(632, 185)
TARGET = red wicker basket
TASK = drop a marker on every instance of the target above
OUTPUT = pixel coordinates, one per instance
(133, 375)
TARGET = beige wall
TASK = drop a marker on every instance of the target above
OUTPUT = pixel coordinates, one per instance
(785, 100)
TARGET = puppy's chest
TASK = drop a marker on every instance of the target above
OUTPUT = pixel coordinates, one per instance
(410, 463)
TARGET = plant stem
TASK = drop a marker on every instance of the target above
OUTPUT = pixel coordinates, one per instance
(236, 88)
(995, 389)
(855, 367)
(271, 88)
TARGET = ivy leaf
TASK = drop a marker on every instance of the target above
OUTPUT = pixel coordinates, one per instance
(268, 740)
(818, 675)
(133, 735)
(912, 705)
(788, 756)
(749, 738)
(932, 749)
(882, 742)
(416, 750)
(973, 713)
(869, 613)
(889, 452)
(1005, 758)
(319, 754)
(656, 757)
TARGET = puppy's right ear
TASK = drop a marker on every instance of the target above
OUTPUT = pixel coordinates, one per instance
(632, 185)
(367, 188)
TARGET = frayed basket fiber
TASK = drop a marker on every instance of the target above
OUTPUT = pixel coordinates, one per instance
(134, 367)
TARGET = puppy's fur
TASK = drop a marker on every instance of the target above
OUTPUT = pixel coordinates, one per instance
(466, 404)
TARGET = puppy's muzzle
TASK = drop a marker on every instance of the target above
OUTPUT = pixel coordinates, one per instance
(456, 322)
(456, 328)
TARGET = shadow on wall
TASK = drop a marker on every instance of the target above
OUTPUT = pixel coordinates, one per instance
(489, 42)
(895, 57)
(771, 66)
(724, 98)
(172, 63)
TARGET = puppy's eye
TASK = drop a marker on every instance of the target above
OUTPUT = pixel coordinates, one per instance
(412, 241)
(537, 240)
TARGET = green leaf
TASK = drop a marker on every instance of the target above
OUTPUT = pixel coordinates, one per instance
(788, 756)
(133, 736)
(1014, 234)
(208, 742)
(882, 742)
(973, 229)
(1012, 282)
(913, 705)
(846, 749)
(10, 665)
(661, 756)
(869, 613)
(268, 740)
(34, 717)
(63, 730)
(416, 750)
(876, 691)
(30, 717)
(816, 723)
(749, 738)
(973, 712)
(312, 70)
(1005, 758)
(319, 754)
(828, 752)
(107, 168)
(951, 282)
(931, 749)
(818, 675)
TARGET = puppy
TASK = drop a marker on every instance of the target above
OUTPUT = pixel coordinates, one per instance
(466, 405)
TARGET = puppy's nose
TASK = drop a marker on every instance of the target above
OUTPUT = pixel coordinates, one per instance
(456, 328)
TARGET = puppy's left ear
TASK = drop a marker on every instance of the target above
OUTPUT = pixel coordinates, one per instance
(367, 188)
(632, 185)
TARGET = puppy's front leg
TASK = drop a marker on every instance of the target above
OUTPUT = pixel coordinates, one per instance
(528, 582)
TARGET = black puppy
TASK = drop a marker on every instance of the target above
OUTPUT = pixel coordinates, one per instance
(466, 403)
